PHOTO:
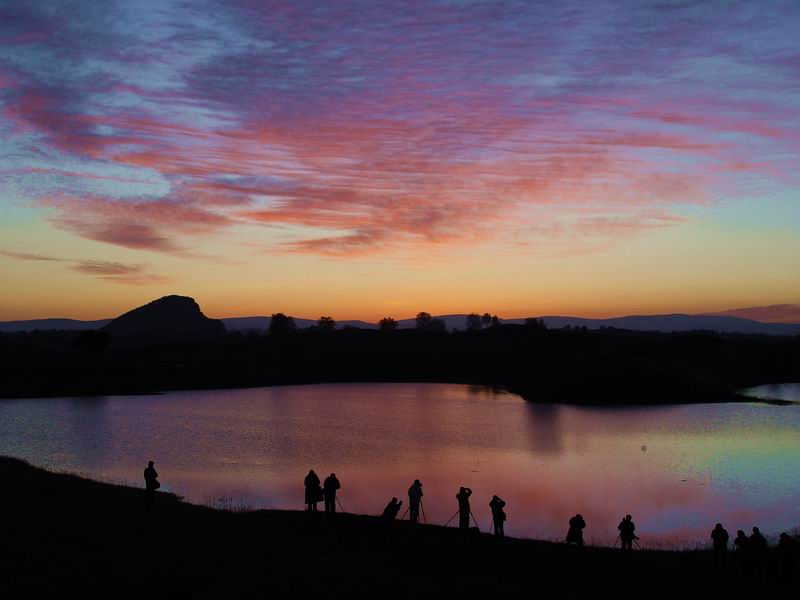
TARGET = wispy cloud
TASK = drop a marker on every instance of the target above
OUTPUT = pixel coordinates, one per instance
(371, 128)
(115, 272)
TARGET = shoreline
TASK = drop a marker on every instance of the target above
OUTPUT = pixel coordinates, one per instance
(734, 397)
(70, 535)
(670, 546)
(730, 398)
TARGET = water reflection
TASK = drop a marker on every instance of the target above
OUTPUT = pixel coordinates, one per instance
(735, 463)
(784, 392)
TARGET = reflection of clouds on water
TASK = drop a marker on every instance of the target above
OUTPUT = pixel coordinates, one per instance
(787, 392)
(544, 425)
(90, 440)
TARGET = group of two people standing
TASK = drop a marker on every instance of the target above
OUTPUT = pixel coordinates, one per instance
(316, 493)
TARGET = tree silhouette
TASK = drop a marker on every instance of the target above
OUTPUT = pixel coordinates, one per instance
(387, 324)
(326, 324)
(423, 320)
(486, 319)
(474, 322)
(535, 324)
(280, 324)
(494, 322)
(437, 325)
(426, 322)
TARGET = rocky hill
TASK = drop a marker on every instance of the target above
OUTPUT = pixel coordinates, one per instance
(167, 317)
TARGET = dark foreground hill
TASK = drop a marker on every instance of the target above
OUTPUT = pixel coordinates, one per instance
(64, 536)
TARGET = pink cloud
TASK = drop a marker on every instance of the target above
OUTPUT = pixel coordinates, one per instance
(144, 225)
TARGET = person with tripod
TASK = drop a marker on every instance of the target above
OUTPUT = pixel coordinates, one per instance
(627, 533)
(414, 499)
(498, 515)
(329, 488)
(463, 508)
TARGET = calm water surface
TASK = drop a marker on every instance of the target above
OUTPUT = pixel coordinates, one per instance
(677, 469)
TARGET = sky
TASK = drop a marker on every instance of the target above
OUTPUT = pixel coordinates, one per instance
(370, 159)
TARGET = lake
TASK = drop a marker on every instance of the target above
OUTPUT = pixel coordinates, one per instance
(676, 469)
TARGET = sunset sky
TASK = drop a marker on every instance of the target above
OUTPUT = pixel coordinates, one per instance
(363, 159)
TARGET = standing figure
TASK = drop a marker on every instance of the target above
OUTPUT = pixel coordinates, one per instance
(790, 551)
(575, 531)
(329, 492)
(463, 507)
(498, 515)
(741, 547)
(151, 483)
(391, 510)
(720, 537)
(313, 490)
(757, 550)
(414, 498)
(627, 533)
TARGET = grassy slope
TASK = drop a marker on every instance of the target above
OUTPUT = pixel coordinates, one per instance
(62, 534)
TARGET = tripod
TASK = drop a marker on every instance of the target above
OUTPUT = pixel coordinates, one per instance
(474, 520)
(455, 514)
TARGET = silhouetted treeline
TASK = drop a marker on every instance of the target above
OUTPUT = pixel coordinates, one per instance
(576, 366)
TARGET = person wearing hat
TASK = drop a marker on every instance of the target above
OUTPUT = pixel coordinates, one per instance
(414, 498)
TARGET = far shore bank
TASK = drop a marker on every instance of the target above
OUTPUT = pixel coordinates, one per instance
(71, 535)
(605, 400)
(579, 367)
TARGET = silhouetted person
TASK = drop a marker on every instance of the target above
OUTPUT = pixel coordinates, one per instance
(497, 505)
(627, 533)
(790, 550)
(719, 537)
(329, 492)
(414, 498)
(575, 531)
(151, 483)
(757, 549)
(313, 490)
(391, 510)
(463, 507)
(741, 547)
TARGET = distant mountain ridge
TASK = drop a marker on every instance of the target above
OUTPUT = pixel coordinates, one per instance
(665, 323)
